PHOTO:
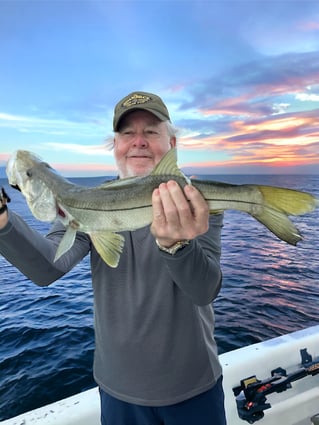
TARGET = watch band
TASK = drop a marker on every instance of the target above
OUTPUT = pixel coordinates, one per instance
(173, 249)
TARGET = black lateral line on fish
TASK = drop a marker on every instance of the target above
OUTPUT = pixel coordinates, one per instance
(149, 205)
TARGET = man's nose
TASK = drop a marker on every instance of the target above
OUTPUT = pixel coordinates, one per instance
(140, 140)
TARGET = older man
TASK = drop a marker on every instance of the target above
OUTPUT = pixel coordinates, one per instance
(156, 359)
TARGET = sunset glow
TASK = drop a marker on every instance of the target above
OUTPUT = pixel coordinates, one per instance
(240, 79)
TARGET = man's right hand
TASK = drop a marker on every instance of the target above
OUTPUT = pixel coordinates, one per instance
(178, 214)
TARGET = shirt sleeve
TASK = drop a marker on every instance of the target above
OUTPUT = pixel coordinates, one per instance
(33, 254)
(195, 269)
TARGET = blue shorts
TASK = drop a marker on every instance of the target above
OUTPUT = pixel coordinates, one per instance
(204, 409)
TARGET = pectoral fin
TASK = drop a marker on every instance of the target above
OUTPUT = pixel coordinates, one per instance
(66, 242)
(109, 245)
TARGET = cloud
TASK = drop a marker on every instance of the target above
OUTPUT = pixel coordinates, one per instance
(261, 112)
(51, 125)
(290, 139)
(88, 169)
(4, 157)
(255, 83)
(309, 26)
(78, 149)
(307, 97)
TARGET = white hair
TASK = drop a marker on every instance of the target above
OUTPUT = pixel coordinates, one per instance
(172, 130)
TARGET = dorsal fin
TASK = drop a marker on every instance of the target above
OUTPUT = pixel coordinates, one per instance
(168, 165)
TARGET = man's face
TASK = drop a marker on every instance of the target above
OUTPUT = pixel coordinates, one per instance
(140, 143)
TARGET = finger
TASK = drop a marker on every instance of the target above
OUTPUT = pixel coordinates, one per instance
(158, 211)
(199, 205)
(197, 200)
(168, 199)
(187, 226)
(178, 198)
(159, 224)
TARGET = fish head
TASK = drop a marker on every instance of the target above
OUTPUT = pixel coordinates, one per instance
(16, 169)
(23, 171)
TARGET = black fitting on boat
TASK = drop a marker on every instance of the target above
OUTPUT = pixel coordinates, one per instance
(251, 394)
(315, 419)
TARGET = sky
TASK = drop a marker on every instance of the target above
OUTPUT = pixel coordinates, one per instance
(239, 77)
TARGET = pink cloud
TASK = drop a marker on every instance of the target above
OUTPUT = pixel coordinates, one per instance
(84, 167)
(277, 140)
(309, 26)
(4, 157)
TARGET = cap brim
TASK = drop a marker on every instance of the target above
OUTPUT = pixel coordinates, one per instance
(158, 114)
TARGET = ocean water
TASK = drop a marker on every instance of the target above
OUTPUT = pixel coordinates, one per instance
(47, 338)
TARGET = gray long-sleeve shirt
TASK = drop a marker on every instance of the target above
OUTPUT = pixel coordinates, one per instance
(154, 321)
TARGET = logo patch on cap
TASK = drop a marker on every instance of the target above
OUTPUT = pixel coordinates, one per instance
(140, 100)
(136, 99)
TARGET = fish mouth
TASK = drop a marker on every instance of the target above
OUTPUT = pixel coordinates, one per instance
(15, 186)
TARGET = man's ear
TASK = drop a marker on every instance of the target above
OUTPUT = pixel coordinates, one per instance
(172, 142)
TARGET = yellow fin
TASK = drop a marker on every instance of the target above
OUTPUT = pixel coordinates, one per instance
(109, 245)
(168, 165)
(279, 224)
(278, 203)
(66, 242)
(289, 201)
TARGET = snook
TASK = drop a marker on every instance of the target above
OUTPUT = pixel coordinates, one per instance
(125, 204)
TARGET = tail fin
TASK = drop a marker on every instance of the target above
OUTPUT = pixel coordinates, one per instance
(289, 201)
(278, 204)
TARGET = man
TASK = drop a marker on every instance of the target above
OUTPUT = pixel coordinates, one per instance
(156, 358)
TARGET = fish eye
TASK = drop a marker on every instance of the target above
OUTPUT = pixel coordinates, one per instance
(29, 173)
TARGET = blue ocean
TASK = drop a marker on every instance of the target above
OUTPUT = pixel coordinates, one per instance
(47, 338)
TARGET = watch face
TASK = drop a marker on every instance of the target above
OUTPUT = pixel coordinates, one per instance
(179, 246)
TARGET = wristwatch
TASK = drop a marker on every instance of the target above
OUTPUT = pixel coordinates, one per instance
(173, 249)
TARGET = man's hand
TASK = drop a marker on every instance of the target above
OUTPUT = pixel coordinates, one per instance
(178, 214)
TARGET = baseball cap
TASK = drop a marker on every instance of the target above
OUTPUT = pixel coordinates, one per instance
(140, 100)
